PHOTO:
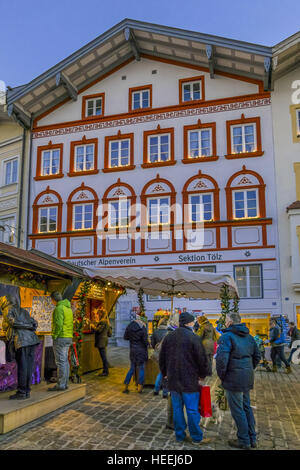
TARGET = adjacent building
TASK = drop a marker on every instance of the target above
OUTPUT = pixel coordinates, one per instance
(13, 181)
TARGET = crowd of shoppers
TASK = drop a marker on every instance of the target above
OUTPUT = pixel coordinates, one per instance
(185, 355)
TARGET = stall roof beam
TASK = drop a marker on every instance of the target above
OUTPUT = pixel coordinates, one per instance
(62, 79)
(130, 37)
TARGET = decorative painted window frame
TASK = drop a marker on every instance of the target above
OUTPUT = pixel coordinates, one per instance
(158, 131)
(83, 141)
(295, 110)
(261, 203)
(36, 206)
(85, 98)
(71, 203)
(216, 205)
(136, 89)
(199, 126)
(253, 120)
(118, 136)
(144, 211)
(132, 219)
(199, 78)
(40, 150)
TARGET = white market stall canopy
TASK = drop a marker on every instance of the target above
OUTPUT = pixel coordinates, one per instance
(171, 282)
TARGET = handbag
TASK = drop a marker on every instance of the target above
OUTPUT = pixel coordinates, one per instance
(205, 402)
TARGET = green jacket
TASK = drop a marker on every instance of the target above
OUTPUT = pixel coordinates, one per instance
(62, 320)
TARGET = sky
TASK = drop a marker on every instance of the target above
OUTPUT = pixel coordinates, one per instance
(37, 34)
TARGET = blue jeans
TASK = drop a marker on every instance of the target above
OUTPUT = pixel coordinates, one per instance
(241, 411)
(191, 403)
(131, 371)
(291, 353)
(158, 381)
(61, 349)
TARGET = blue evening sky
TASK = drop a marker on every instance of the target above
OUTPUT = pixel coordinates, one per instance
(37, 34)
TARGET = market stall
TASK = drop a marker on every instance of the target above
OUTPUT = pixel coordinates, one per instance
(171, 283)
(91, 298)
(31, 276)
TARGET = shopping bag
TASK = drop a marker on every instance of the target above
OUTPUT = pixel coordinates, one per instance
(205, 402)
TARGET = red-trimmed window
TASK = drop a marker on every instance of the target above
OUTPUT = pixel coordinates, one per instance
(140, 98)
(82, 209)
(200, 142)
(47, 212)
(244, 138)
(191, 89)
(158, 147)
(83, 157)
(93, 106)
(119, 213)
(158, 209)
(49, 161)
(245, 195)
(119, 153)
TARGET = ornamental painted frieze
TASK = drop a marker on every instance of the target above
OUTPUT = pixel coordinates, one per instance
(153, 117)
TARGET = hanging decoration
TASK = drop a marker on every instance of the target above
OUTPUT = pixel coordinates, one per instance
(19, 277)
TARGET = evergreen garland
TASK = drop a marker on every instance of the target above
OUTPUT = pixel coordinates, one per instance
(141, 300)
(79, 322)
(225, 310)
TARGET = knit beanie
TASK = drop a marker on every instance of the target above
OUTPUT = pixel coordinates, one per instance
(185, 317)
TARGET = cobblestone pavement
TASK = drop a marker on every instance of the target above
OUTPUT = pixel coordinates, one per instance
(108, 419)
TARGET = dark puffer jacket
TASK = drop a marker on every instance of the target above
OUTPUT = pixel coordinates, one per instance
(237, 357)
(136, 334)
(183, 360)
(20, 326)
(102, 332)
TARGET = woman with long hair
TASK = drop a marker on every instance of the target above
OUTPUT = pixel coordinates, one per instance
(103, 331)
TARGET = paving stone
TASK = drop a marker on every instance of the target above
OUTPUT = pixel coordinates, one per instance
(106, 419)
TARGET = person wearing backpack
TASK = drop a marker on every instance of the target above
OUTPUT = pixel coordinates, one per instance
(276, 338)
(156, 341)
(62, 335)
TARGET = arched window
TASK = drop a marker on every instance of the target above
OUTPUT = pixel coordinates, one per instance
(200, 199)
(158, 199)
(82, 209)
(47, 212)
(245, 195)
(119, 219)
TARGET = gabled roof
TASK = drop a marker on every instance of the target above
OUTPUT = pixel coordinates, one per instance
(135, 39)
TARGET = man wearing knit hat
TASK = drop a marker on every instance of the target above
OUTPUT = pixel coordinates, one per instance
(183, 361)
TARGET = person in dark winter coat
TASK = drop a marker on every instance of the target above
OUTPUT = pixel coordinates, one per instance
(157, 337)
(20, 328)
(103, 331)
(294, 333)
(277, 346)
(183, 361)
(237, 357)
(137, 336)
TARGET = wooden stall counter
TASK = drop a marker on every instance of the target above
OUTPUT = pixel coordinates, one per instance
(90, 356)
